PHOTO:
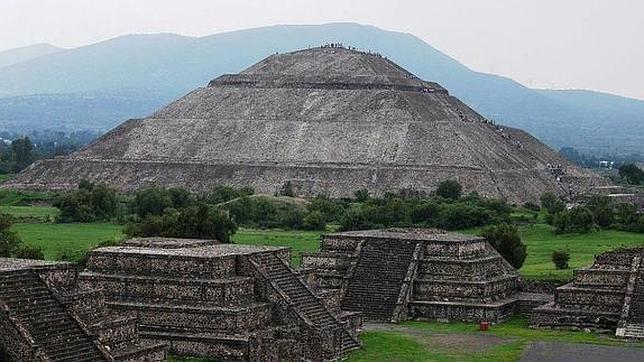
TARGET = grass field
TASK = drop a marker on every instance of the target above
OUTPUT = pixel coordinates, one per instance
(36, 213)
(298, 241)
(539, 238)
(54, 239)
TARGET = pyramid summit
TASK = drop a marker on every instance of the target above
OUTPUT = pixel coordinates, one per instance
(330, 120)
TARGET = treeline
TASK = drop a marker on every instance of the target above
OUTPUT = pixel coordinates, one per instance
(597, 213)
(19, 151)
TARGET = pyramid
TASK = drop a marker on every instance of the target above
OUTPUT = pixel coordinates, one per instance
(329, 120)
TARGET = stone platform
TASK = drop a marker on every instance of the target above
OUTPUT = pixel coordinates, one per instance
(224, 301)
(45, 316)
(607, 296)
(426, 274)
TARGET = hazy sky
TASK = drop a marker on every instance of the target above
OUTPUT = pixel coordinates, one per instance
(593, 44)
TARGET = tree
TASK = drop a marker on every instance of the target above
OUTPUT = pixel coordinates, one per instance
(9, 240)
(22, 151)
(506, 240)
(151, 201)
(361, 195)
(89, 203)
(631, 174)
(575, 220)
(199, 221)
(449, 189)
(222, 193)
(560, 258)
(602, 210)
(552, 204)
(315, 220)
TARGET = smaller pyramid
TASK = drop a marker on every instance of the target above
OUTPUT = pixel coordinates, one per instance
(606, 296)
(427, 274)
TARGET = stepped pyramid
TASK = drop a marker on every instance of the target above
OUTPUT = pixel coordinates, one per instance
(396, 274)
(606, 296)
(331, 121)
(45, 316)
(222, 301)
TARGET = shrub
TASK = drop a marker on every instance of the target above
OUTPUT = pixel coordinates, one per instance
(575, 220)
(315, 220)
(151, 201)
(287, 189)
(29, 252)
(9, 240)
(88, 203)
(506, 240)
(560, 258)
(330, 209)
(602, 210)
(449, 189)
(552, 204)
(355, 219)
(199, 221)
(361, 195)
(221, 194)
(532, 206)
(462, 216)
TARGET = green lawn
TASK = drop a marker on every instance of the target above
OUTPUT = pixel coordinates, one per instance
(298, 241)
(539, 238)
(425, 341)
(54, 239)
(541, 241)
(35, 213)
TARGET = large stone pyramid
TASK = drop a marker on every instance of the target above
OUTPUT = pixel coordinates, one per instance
(329, 120)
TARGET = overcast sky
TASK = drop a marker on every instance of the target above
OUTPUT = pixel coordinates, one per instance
(592, 44)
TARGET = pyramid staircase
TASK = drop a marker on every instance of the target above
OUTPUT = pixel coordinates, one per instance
(33, 305)
(375, 286)
(633, 325)
(301, 299)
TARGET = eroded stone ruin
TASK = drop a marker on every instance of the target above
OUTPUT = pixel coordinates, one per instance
(330, 121)
(427, 274)
(224, 301)
(606, 296)
(46, 316)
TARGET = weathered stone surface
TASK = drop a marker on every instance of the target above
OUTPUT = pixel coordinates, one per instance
(396, 274)
(607, 296)
(223, 301)
(46, 317)
(330, 121)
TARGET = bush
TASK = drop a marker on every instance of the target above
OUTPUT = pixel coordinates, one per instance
(602, 210)
(9, 240)
(506, 240)
(575, 220)
(29, 252)
(89, 203)
(361, 195)
(330, 209)
(315, 220)
(287, 189)
(560, 258)
(553, 205)
(199, 222)
(462, 216)
(532, 206)
(151, 201)
(355, 219)
(266, 212)
(449, 189)
(221, 194)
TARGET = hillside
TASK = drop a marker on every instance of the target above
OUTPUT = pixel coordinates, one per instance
(18, 55)
(172, 65)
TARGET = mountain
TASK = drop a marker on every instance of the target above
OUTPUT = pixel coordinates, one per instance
(18, 55)
(169, 65)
